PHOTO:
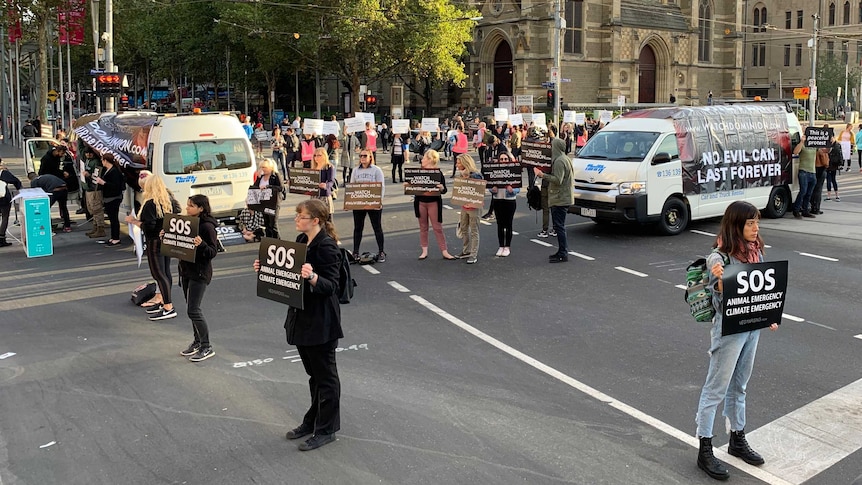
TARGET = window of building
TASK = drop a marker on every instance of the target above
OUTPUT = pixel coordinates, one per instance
(831, 14)
(858, 52)
(830, 50)
(860, 12)
(800, 17)
(756, 19)
(845, 52)
(758, 54)
(788, 19)
(573, 36)
(786, 54)
(760, 19)
(704, 30)
(846, 16)
(798, 54)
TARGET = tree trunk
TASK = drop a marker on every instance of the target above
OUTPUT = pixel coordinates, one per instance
(42, 103)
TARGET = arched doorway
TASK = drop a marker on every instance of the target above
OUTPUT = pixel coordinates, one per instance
(503, 68)
(646, 75)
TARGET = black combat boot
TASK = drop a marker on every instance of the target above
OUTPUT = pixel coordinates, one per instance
(707, 462)
(4, 243)
(738, 446)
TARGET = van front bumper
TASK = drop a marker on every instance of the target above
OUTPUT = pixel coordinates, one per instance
(625, 208)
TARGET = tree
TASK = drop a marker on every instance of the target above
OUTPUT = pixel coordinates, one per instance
(830, 77)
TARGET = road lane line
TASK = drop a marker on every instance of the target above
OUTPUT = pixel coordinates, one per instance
(792, 317)
(858, 336)
(682, 287)
(7, 355)
(582, 256)
(516, 233)
(826, 258)
(821, 325)
(398, 286)
(448, 207)
(484, 222)
(684, 437)
(369, 268)
(811, 439)
(704, 233)
(631, 271)
(541, 243)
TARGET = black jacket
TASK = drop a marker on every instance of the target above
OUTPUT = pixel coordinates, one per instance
(320, 321)
(202, 268)
(114, 183)
(151, 223)
(11, 181)
(49, 164)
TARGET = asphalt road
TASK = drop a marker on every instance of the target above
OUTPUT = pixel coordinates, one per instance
(508, 371)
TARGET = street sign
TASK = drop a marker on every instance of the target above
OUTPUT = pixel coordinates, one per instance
(547, 84)
(555, 74)
(96, 71)
(801, 93)
(813, 94)
(70, 96)
(565, 80)
(621, 100)
(53, 95)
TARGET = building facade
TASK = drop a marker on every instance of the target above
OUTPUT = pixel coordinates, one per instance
(645, 50)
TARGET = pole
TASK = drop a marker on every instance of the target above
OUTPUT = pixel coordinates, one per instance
(813, 81)
(109, 50)
(3, 104)
(296, 85)
(317, 91)
(17, 104)
(559, 80)
(846, 73)
(228, 79)
(94, 9)
(61, 84)
(69, 78)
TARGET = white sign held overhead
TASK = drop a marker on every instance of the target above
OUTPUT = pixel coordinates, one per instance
(516, 119)
(330, 128)
(580, 118)
(401, 126)
(431, 125)
(501, 114)
(313, 126)
(569, 116)
(353, 125)
(539, 120)
(605, 116)
(368, 117)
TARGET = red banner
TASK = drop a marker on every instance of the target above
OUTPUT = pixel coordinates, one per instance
(71, 17)
(15, 31)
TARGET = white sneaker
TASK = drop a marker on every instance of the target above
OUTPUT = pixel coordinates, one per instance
(506, 252)
(499, 252)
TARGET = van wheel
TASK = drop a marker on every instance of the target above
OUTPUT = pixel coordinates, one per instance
(674, 217)
(779, 202)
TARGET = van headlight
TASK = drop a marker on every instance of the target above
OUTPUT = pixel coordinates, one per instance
(631, 188)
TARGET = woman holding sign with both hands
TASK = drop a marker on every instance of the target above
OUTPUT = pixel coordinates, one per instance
(731, 357)
(367, 171)
(316, 328)
(428, 207)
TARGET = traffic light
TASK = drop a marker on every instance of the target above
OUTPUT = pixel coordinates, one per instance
(551, 98)
(370, 102)
(109, 83)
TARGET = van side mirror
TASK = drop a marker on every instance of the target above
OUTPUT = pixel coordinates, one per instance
(659, 158)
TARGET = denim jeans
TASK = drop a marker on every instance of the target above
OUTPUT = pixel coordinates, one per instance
(817, 194)
(558, 215)
(194, 293)
(731, 359)
(807, 180)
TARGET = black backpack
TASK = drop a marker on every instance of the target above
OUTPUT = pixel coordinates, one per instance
(836, 158)
(534, 198)
(346, 283)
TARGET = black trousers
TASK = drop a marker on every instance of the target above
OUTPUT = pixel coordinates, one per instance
(359, 226)
(160, 269)
(60, 197)
(397, 167)
(270, 222)
(504, 209)
(112, 209)
(324, 415)
(818, 189)
(194, 292)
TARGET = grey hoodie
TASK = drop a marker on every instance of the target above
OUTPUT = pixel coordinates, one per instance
(560, 187)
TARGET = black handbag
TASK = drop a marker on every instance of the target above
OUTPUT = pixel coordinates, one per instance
(144, 293)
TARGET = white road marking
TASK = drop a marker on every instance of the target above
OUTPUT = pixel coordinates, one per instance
(663, 262)
(826, 258)
(682, 287)
(821, 325)
(48, 444)
(296, 360)
(791, 317)
(541, 243)
(858, 336)
(582, 256)
(631, 271)
(811, 439)
(484, 222)
(687, 438)
(447, 206)
(398, 286)
(7, 355)
(291, 350)
(704, 233)
(516, 233)
(370, 269)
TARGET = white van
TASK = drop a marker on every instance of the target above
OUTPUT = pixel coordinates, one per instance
(673, 165)
(203, 153)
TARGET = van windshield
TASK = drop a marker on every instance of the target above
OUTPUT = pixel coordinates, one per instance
(619, 145)
(196, 156)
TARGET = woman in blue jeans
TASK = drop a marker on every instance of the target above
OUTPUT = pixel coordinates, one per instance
(196, 276)
(731, 357)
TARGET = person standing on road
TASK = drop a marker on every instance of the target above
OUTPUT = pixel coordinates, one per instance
(348, 154)
(29, 131)
(561, 195)
(807, 178)
(821, 163)
(428, 207)
(460, 147)
(92, 194)
(731, 357)
(369, 137)
(316, 328)
(9, 181)
(277, 145)
(368, 171)
(835, 163)
(859, 147)
(267, 177)
(112, 184)
(504, 201)
(320, 162)
(848, 142)
(196, 276)
(399, 149)
(469, 215)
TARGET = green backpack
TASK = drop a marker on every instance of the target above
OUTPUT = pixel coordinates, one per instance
(698, 294)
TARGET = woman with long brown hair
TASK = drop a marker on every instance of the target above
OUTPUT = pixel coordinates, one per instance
(320, 161)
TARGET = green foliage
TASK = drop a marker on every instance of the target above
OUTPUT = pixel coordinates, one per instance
(830, 76)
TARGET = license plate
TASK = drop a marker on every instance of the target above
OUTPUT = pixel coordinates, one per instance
(211, 191)
(588, 212)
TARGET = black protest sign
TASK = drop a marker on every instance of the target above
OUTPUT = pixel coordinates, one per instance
(502, 174)
(262, 200)
(420, 180)
(304, 181)
(280, 275)
(536, 154)
(753, 296)
(363, 196)
(818, 137)
(469, 192)
(179, 239)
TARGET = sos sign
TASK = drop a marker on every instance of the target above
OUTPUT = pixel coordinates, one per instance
(280, 275)
(753, 297)
(179, 239)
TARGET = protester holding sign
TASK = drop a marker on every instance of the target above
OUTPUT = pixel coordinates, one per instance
(399, 149)
(266, 178)
(316, 328)
(560, 195)
(469, 214)
(196, 276)
(504, 202)
(320, 162)
(428, 207)
(367, 171)
(731, 357)
(112, 184)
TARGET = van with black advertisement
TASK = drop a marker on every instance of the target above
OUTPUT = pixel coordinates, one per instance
(672, 165)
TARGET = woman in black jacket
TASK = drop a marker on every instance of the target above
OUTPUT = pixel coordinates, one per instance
(316, 328)
(112, 184)
(196, 276)
(267, 177)
(10, 181)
